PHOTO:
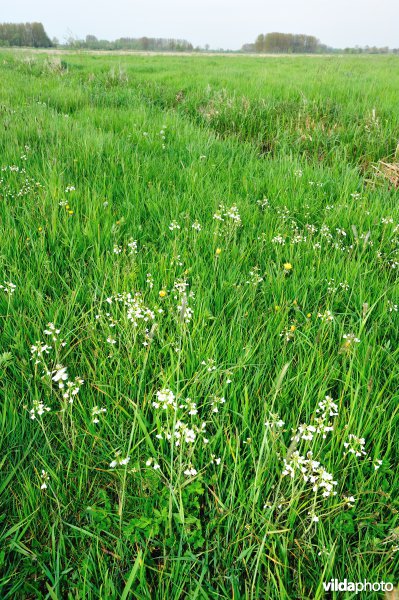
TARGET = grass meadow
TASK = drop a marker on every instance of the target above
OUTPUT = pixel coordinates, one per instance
(199, 326)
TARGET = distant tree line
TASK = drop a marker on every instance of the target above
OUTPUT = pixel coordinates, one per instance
(370, 50)
(33, 35)
(24, 34)
(290, 43)
(144, 43)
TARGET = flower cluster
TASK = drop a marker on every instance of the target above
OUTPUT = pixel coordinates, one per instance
(255, 277)
(174, 225)
(185, 312)
(165, 400)
(180, 425)
(355, 445)
(69, 388)
(288, 333)
(311, 472)
(119, 461)
(326, 316)
(321, 423)
(133, 307)
(38, 409)
(56, 372)
(274, 422)
(38, 352)
(96, 412)
(196, 226)
(8, 287)
(350, 341)
(52, 331)
(229, 216)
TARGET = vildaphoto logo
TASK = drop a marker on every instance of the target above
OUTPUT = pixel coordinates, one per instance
(334, 585)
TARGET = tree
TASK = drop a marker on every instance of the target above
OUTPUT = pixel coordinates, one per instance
(24, 34)
(260, 43)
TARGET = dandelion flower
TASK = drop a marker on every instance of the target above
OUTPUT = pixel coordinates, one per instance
(287, 267)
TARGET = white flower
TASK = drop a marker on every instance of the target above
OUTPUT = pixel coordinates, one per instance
(254, 276)
(264, 203)
(231, 214)
(150, 280)
(118, 461)
(190, 471)
(278, 239)
(72, 389)
(8, 287)
(349, 501)
(165, 399)
(96, 412)
(60, 375)
(174, 225)
(350, 341)
(196, 225)
(275, 421)
(314, 517)
(44, 477)
(355, 445)
(327, 407)
(38, 409)
(305, 432)
(326, 316)
(52, 330)
(132, 244)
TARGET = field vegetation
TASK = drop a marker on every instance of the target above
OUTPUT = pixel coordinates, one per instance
(199, 326)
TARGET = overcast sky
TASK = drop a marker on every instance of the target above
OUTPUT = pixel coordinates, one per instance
(219, 23)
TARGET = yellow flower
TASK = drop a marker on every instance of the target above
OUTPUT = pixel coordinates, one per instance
(292, 328)
(218, 251)
(277, 308)
(162, 293)
(40, 229)
(287, 266)
(70, 212)
(309, 315)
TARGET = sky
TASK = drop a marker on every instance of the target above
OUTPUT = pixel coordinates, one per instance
(220, 23)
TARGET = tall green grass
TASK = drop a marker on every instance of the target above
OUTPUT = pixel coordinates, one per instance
(148, 141)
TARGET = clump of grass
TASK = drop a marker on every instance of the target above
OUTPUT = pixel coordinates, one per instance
(389, 172)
